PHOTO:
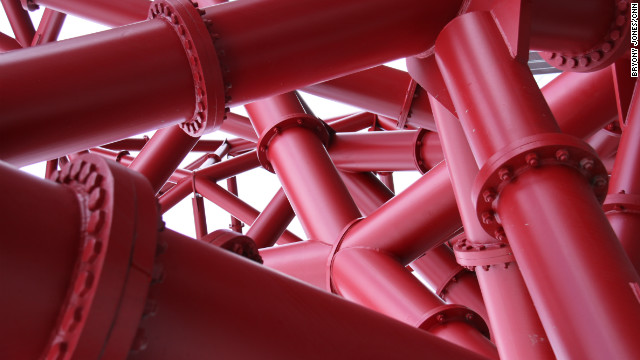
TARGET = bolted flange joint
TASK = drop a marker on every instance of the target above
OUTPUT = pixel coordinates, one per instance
(613, 45)
(315, 125)
(234, 242)
(622, 202)
(470, 255)
(106, 296)
(186, 19)
(552, 149)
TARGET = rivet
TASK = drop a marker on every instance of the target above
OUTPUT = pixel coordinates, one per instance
(64, 174)
(488, 218)
(587, 164)
(562, 155)
(572, 63)
(620, 20)
(96, 220)
(76, 167)
(96, 197)
(622, 5)
(615, 35)
(58, 351)
(486, 267)
(500, 235)
(532, 159)
(86, 171)
(91, 249)
(596, 56)
(606, 47)
(299, 121)
(560, 60)
(599, 181)
(504, 174)
(84, 282)
(263, 149)
(469, 316)
(488, 196)
(584, 61)
(158, 273)
(440, 318)
(140, 342)
(94, 180)
(150, 308)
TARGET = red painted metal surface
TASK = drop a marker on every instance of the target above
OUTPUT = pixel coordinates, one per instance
(523, 246)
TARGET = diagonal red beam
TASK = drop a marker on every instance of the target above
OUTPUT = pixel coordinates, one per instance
(49, 27)
(109, 13)
(299, 157)
(161, 156)
(20, 21)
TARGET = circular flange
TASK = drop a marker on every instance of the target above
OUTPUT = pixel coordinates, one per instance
(234, 242)
(551, 149)
(185, 18)
(106, 295)
(453, 313)
(471, 255)
(622, 203)
(615, 43)
(417, 154)
(302, 120)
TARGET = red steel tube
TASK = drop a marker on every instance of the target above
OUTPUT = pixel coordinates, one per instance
(30, 129)
(386, 151)
(543, 206)
(571, 88)
(352, 123)
(226, 200)
(516, 328)
(239, 126)
(301, 162)
(605, 143)
(305, 260)
(381, 90)
(7, 43)
(368, 192)
(573, 26)
(357, 273)
(272, 221)
(37, 257)
(20, 21)
(109, 13)
(232, 187)
(475, 100)
(208, 327)
(199, 216)
(427, 211)
(451, 282)
(49, 27)
(623, 202)
(162, 155)
(252, 33)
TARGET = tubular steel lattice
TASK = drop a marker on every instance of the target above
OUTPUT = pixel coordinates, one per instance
(524, 222)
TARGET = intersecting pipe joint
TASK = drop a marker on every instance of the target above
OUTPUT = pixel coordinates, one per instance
(614, 43)
(527, 154)
(197, 40)
(450, 313)
(106, 296)
(234, 242)
(315, 125)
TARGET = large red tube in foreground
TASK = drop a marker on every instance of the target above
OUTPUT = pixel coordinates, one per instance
(208, 328)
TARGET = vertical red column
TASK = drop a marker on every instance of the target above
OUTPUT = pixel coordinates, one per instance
(539, 183)
(623, 201)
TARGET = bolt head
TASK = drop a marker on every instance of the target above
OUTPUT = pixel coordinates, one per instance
(488, 196)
